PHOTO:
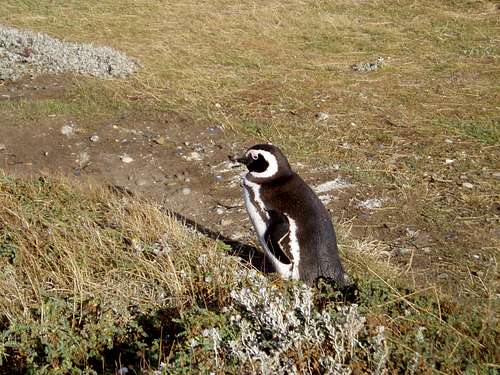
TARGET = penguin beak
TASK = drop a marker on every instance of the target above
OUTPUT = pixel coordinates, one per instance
(242, 160)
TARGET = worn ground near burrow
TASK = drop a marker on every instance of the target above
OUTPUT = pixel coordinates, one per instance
(419, 137)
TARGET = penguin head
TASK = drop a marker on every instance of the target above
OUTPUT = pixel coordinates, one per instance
(265, 162)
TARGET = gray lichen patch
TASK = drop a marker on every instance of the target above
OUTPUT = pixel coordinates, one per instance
(27, 53)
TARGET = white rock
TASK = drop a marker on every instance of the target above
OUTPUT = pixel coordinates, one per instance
(325, 199)
(468, 185)
(336, 184)
(2, 147)
(220, 210)
(371, 203)
(68, 130)
(195, 156)
(94, 138)
(449, 161)
(495, 175)
(186, 191)
(322, 116)
(126, 159)
(449, 141)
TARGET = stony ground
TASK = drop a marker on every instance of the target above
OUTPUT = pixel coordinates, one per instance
(25, 53)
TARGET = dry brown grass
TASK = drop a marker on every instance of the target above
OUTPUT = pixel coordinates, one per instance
(95, 245)
(89, 273)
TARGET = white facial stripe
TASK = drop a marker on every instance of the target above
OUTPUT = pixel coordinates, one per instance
(272, 168)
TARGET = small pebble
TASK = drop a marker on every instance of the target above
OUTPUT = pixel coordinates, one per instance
(2, 147)
(68, 130)
(126, 159)
(199, 148)
(449, 161)
(218, 105)
(368, 66)
(186, 191)
(468, 185)
(449, 141)
(495, 175)
(322, 116)
(195, 156)
(371, 204)
(220, 210)
(159, 140)
(94, 138)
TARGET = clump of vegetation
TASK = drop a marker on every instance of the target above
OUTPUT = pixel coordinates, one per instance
(93, 281)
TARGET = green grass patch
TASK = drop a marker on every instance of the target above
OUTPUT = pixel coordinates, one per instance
(34, 110)
(483, 130)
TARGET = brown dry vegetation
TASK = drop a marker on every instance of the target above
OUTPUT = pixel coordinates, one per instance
(272, 65)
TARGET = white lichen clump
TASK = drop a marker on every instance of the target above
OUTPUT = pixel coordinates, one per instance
(272, 325)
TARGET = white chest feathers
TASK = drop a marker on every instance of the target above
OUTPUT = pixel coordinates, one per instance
(259, 217)
(255, 207)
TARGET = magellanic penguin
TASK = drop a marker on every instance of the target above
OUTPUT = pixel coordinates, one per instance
(293, 226)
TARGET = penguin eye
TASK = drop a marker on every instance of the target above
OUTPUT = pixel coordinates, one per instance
(254, 156)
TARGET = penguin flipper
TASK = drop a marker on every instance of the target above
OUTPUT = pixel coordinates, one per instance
(277, 237)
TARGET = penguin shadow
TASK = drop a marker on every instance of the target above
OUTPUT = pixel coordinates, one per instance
(249, 254)
(328, 290)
